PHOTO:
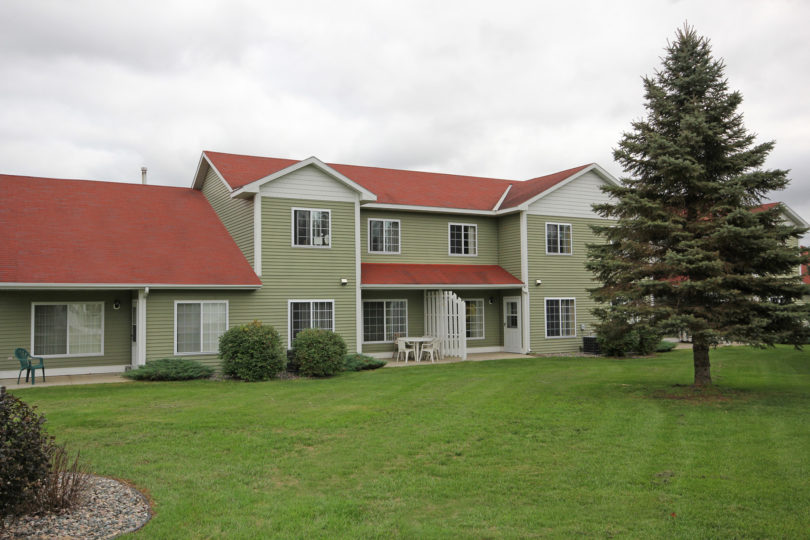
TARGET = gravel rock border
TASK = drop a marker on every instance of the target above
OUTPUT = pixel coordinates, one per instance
(110, 508)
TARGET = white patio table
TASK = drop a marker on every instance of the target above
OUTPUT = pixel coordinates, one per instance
(417, 342)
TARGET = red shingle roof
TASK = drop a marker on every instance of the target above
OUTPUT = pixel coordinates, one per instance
(395, 186)
(436, 274)
(84, 232)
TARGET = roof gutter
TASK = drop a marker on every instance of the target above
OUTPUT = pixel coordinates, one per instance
(120, 286)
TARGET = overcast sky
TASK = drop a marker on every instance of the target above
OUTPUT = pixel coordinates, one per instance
(97, 89)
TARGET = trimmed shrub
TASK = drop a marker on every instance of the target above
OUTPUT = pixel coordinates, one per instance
(252, 352)
(170, 369)
(360, 362)
(24, 456)
(319, 353)
(665, 346)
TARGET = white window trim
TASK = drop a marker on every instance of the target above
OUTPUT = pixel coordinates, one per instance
(68, 355)
(483, 318)
(292, 227)
(545, 317)
(545, 229)
(384, 317)
(310, 301)
(227, 324)
(399, 243)
(450, 245)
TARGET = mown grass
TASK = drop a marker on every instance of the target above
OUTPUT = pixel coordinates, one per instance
(546, 447)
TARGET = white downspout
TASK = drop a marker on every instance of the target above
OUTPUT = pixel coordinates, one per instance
(140, 337)
(524, 277)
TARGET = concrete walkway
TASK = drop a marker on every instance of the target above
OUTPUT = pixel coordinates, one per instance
(476, 357)
(63, 380)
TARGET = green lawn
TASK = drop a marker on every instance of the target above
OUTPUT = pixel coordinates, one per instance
(551, 447)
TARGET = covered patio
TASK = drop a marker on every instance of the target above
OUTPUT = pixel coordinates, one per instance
(470, 309)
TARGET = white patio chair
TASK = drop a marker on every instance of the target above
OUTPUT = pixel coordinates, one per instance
(404, 350)
(431, 349)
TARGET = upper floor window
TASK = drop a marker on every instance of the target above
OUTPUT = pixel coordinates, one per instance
(463, 239)
(67, 329)
(311, 227)
(383, 236)
(558, 238)
(198, 325)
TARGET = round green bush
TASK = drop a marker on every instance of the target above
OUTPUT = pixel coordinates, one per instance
(319, 353)
(24, 455)
(252, 352)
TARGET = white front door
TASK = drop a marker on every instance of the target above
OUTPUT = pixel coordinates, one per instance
(511, 325)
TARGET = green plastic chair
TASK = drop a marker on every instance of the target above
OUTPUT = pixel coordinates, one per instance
(30, 369)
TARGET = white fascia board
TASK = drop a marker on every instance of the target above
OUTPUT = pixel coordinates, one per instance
(794, 217)
(440, 286)
(249, 189)
(117, 286)
(436, 209)
(199, 175)
(606, 176)
(500, 201)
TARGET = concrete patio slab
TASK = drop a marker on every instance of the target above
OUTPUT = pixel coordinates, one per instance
(63, 380)
(476, 357)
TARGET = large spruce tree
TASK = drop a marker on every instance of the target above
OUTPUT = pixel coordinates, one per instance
(692, 248)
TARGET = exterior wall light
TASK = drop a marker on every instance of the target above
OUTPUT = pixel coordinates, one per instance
(538, 282)
(344, 281)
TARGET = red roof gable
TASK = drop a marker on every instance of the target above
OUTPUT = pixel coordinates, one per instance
(85, 232)
(436, 274)
(523, 191)
(395, 186)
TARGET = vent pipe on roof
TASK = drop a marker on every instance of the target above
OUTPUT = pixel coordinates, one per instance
(143, 175)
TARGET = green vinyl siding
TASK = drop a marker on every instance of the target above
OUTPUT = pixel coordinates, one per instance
(15, 327)
(563, 276)
(509, 244)
(301, 273)
(160, 319)
(424, 238)
(288, 273)
(235, 214)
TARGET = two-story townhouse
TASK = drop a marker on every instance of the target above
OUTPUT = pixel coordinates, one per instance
(99, 276)
(402, 244)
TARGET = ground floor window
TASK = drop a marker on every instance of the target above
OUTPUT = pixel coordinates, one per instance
(383, 319)
(67, 329)
(198, 325)
(311, 314)
(561, 317)
(475, 318)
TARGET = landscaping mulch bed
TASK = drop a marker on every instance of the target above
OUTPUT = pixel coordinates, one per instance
(110, 508)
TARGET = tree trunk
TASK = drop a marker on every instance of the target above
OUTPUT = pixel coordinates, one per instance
(703, 369)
